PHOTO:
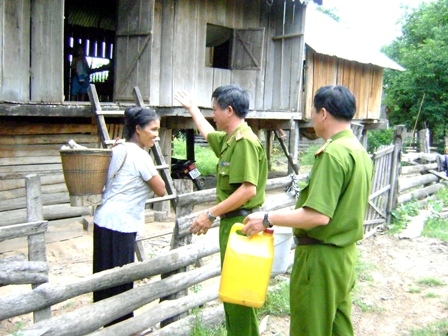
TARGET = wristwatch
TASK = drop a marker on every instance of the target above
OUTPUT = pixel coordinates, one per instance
(210, 216)
(266, 222)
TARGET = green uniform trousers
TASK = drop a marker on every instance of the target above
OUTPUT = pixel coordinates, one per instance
(321, 281)
(240, 320)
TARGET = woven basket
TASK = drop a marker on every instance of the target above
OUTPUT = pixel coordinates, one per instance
(85, 174)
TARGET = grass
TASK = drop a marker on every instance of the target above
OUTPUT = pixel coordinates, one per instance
(17, 329)
(435, 227)
(363, 270)
(200, 330)
(306, 158)
(205, 158)
(439, 328)
(430, 282)
(277, 300)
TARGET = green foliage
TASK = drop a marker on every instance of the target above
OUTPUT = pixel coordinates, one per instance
(306, 158)
(206, 159)
(330, 12)
(378, 138)
(435, 226)
(277, 300)
(402, 215)
(18, 329)
(418, 96)
(363, 271)
(430, 282)
(439, 328)
(200, 330)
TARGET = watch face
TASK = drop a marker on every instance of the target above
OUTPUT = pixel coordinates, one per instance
(266, 221)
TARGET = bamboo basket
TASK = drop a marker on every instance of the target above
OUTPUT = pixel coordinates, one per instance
(85, 174)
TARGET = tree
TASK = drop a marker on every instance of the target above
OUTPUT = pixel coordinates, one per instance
(418, 96)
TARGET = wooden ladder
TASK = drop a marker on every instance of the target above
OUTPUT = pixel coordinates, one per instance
(163, 168)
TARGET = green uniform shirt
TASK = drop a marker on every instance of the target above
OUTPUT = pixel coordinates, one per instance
(339, 187)
(241, 159)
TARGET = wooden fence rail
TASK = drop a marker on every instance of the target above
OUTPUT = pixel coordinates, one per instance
(420, 177)
(398, 178)
(100, 313)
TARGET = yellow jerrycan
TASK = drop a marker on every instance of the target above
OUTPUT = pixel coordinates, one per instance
(247, 267)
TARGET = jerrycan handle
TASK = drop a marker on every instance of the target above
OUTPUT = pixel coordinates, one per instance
(236, 227)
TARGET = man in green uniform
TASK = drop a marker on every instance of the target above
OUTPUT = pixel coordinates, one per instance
(242, 173)
(327, 221)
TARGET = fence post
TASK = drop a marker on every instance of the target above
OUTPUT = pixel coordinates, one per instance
(36, 242)
(396, 158)
(423, 141)
(182, 186)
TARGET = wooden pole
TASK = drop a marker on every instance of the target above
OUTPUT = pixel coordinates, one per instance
(396, 158)
(36, 242)
(182, 186)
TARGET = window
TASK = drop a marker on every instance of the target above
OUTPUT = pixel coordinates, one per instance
(228, 48)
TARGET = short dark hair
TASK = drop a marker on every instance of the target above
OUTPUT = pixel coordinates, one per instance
(137, 116)
(233, 95)
(337, 100)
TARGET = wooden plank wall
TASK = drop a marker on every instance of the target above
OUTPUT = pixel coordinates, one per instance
(134, 37)
(47, 38)
(32, 146)
(364, 80)
(179, 54)
(14, 42)
(287, 54)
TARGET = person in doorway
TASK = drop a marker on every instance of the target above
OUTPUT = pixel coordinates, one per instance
(327, 222)
(132, 178)
(80, 74)
(242, 173)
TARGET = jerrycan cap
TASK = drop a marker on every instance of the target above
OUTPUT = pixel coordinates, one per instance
(268, 231)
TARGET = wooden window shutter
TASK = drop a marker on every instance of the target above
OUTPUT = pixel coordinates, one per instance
(247, 49)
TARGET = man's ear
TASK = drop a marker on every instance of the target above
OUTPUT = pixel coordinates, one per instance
(324, 113)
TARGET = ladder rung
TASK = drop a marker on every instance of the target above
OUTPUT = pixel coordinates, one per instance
(160, 167)
(120, 113)
(160, 199)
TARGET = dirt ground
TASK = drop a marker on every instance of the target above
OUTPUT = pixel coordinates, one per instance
(389, 298)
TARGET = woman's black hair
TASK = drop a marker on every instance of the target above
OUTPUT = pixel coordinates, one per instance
(137, 116)
(337, 100)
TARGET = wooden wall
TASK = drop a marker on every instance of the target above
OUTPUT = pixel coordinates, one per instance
(161, 48)
(14, 41)
(178, 52)
(31, 146)
(364, 80)
(31, 58)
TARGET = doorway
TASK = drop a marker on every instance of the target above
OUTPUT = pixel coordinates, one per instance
(90, 26)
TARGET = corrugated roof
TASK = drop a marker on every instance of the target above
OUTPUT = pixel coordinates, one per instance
(92, 14)
(327, 36)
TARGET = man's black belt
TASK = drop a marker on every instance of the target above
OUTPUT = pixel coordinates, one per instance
(307, 241)
(239, 212)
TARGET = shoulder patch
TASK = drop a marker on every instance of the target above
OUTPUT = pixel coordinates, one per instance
(239, 135)
(322, 149)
